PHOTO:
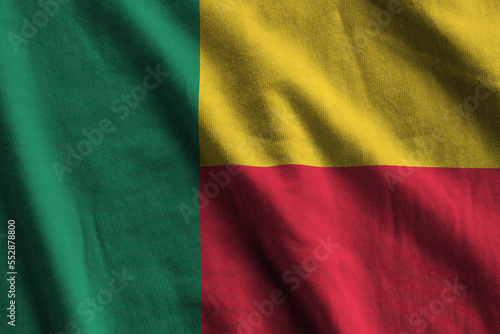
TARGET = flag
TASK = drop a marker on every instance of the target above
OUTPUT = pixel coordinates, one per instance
(247, 166)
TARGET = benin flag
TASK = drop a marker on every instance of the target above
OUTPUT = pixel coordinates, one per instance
(250, 166)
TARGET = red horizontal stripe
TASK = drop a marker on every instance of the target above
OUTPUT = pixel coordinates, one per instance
(422, 257)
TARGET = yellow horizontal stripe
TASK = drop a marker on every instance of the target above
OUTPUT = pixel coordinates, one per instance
(350, 83)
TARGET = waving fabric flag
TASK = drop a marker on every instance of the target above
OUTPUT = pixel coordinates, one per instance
(247, 166)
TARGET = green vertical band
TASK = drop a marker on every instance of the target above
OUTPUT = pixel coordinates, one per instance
(100, 165)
